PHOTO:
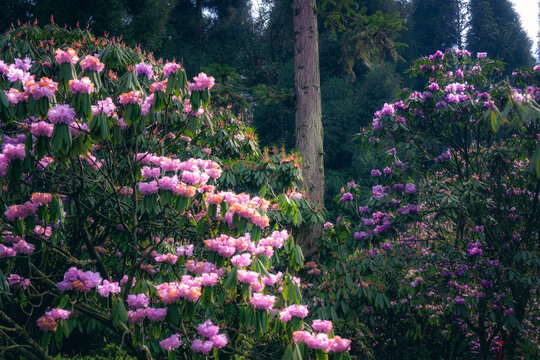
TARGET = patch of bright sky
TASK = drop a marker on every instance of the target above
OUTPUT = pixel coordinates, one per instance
(528, 11)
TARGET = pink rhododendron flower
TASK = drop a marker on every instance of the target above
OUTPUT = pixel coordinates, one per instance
(136, 316)
(15, 280)
(137, 300)
(243, 260)
(82, 86)
(156, 314)
(61, 114)
(58, 314)
(171, 343)
(69, 56)
(108, 288)
(207, 329)
(262, 302)
(201, 83)
(324, 326)
(299, 311)
(202, 347)
(91, 63)
(144, 69)
(132, 97)
(149, 188)
(170, 68)
(42, 128)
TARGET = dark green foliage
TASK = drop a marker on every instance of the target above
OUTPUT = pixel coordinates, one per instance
(433, 25)
(495, 28)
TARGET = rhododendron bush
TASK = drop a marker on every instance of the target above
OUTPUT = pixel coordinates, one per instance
(440, 256)
(120, 216)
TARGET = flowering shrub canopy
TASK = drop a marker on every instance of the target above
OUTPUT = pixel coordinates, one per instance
(121, 216)
(443, 257)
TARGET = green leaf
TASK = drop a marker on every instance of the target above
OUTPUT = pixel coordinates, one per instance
(231, 279)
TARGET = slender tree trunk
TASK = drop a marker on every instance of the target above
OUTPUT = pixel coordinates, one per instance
(309, 130)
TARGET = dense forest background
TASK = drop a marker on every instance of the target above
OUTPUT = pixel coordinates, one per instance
(250, 53)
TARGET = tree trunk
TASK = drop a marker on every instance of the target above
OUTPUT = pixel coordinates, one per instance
(309, 130)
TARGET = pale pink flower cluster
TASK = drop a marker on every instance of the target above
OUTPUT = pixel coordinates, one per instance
(262, 302)
(148, 188)
(211, 332)
(195, 172)
(321, 341)
(150, 173)
(147, 103)
(61, 114)
(185, 250)
(324, 326)
(48, 321)
(41, 199)
(243, 205)
(107, 288)
(201, 267)
(144, 69)
(170, 258)
(299, 311)
(137, 316)
(15, 96)
(13, 152)
(188, 109)
(45, 87)
(227, 246)
(137, 300)
(170, 68)
(188, 288)
(132, 97)
(92, 63)
(243, 260)
(69, 56)
(79, 280)
(82, 86)
(106, 107)
(42, 128)
(201, 82)
(17, 281)
(158, 86)
(171, 343)
(248, 277)
(22, 211)
(276, 240)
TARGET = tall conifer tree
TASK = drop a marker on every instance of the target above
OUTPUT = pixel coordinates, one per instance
(495, 28)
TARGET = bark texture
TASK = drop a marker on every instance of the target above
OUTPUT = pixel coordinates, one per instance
(309, 130)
